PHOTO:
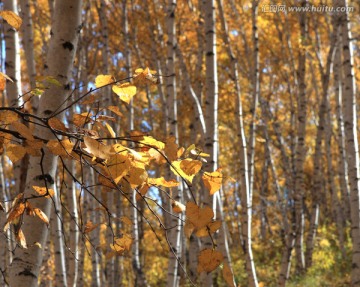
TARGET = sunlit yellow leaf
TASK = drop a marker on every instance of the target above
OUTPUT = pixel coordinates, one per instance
(118, 166)
(151, 142)
(161, 181)
(186, 168)
(110, 130)
(200, 217)
(103, 80)
(228, 275)
(213, 180)
(42, 191)
(209, 260)
(209, 228)
(125, 91)
(11, 18)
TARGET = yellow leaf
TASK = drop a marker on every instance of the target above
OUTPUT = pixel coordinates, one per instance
(20, 238)
(228, 275)
(61, 148)
(2, 82)
(118, 167)
(144, 76)
(115, 110)
(6, 77)
(15, 152)
(151, 142)
(190, 166)
(209, 260)
(56, 124)
(23, 130)
(122, 244)
(12, 19)
(90, 226)
(213, 180)
(80, 120)
(162, 182)
(103, 80)
(8, 117)
(125, 91)
(110, 130)
(38, 244)
(209, 228)
(42, 191)
(178, 207)
(97, 149)
(186, 168)
(33, 147)
(200, 217)
(38, 212)
(15, 213)
(171, 149)
(157, 156)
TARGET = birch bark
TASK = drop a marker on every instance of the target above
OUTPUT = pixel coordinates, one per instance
(24, 269)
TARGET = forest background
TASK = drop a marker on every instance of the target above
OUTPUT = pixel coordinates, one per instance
(179, 143)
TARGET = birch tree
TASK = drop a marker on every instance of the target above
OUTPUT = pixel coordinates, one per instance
(24, 269)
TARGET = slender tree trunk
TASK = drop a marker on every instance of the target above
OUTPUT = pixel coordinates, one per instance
(299, 192)
(57, 238)
(245, 194)
(24, 269)
(352, 147)
(318, 152)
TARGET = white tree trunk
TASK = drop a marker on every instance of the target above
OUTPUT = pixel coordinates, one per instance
(24, 269)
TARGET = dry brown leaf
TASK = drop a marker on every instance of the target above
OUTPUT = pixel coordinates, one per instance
(136, 176)
(228, 275)
(15, 152)
(209, 228)
(188, 228)
(56, 124)
(61, 148)
(209, 260)
(90, 226)
(81, 120)
(97, 148)
(14, 214)
(200, 217)
(122, 244)
(8, 117)
(115, 110)
(20, 238)
(171, 149)
(43, 217)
